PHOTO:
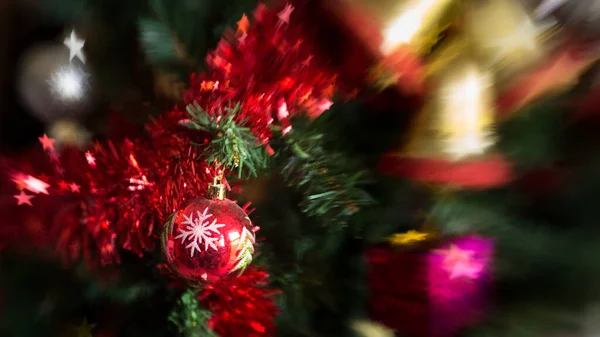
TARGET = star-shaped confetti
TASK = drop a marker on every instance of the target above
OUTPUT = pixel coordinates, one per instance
(23, 198)
(35, 185)
(75, 46)
(284, 15)
(47, 143)
(259, 12)
(74, 187)
(63, 185)
(297, 45)
(90, 159)
(243, 24)
(412, 236)
(306, 62)
(84, 330)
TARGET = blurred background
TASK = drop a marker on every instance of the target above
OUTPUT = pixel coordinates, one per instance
(21, 29)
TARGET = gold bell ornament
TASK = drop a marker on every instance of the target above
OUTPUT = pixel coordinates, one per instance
(531, 54)
(451, 141)
(506, 37)
(397, 34)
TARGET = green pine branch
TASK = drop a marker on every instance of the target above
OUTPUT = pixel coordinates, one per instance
(234, 146)
(190, 319)
(330, 182)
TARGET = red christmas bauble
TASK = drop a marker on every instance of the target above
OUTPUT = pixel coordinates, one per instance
(207, 240)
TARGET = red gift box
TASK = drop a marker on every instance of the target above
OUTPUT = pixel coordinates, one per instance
(427, 292)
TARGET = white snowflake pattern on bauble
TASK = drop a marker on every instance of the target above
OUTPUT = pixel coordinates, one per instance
(199, 230)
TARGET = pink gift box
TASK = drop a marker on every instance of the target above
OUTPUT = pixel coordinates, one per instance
(431, 291)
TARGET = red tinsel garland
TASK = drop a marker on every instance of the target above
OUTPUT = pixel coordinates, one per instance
(242, 306)
(269, 66)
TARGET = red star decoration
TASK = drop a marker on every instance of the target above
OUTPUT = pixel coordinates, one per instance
(74, 187)
(47, 143)
(35, 185)
(63, 185)
(297, 44)
(306, 62)
(259, 12)
(90, 159)
(23, 199)
(284, 15)
(243, 24)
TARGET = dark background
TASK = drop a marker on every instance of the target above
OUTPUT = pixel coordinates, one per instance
(20, 28)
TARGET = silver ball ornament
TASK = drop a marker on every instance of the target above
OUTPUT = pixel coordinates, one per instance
(52, 86)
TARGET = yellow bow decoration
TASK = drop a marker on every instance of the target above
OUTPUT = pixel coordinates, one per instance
(410, 237)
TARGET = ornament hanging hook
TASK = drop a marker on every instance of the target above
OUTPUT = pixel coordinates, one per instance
(217, 190)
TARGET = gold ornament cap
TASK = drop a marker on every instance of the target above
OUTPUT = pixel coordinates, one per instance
(217, 190)
(457, 121)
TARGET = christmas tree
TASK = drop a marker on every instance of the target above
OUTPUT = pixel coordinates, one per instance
(419, 168)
